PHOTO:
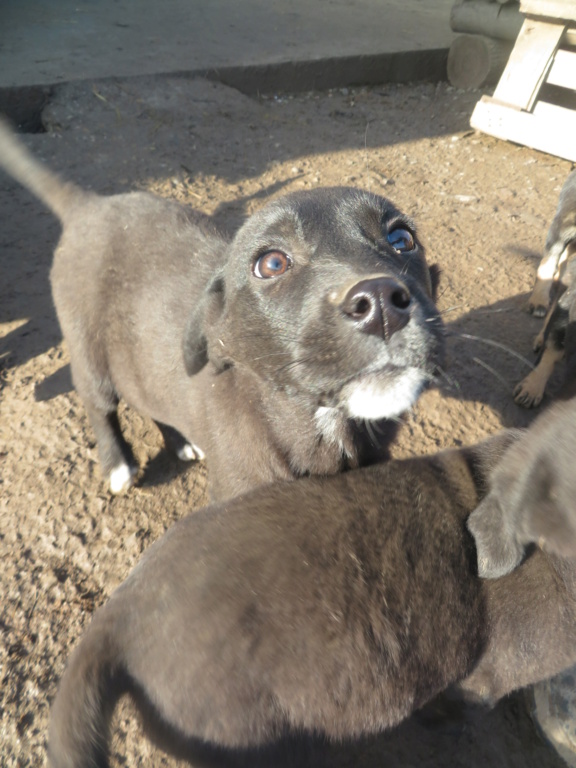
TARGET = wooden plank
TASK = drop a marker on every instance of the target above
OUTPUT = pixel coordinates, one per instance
(563, 70)
(529, 63)
(548, 128)
(552, 9)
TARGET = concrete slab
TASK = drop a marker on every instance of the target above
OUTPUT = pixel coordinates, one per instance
(44, 43)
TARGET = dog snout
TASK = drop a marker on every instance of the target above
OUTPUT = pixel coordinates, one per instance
(378, 306)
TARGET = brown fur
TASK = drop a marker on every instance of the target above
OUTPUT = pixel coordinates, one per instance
(272, 378)
(555, 342)
(562, 231)
(334, 605)
(554, 295)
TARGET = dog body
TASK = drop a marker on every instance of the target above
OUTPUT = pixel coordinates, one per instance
(335, 605)
(268, 351)
(553, 295)
(556, 340)
(562, 232)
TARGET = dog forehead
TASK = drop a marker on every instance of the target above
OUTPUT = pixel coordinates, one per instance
(315, 218)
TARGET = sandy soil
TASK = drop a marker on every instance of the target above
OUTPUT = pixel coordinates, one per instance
(483, 207)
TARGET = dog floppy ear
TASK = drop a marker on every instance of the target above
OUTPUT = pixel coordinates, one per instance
(497, 547)
(531, 498)
(202, 317)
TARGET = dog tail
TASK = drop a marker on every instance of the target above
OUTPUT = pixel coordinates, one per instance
(89, 691)
(17, 161)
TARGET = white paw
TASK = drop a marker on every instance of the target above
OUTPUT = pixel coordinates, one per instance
(190, 452)
(122, 478)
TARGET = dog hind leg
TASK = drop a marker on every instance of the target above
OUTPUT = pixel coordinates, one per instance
(119, 466)
(116, 457)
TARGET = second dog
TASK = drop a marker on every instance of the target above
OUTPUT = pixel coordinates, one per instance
(335, 605)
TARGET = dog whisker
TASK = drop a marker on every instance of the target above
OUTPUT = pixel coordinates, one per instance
(369, 427)
(494, 311)
(270, 354)
(441, 294)
(375, 428)
(451, 309)
(497, 344)
(448, 379)
(489, 368)
(294, 363)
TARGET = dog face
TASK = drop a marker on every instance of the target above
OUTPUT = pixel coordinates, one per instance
(328, 297)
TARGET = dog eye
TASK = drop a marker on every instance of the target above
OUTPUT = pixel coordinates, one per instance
(271, 264)
(401, 240)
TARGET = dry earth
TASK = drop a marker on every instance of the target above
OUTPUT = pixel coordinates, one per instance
(483, 207)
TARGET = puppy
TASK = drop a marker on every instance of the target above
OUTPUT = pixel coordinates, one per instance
(330, 605)
(555, 342)
(550, 296)
(562, 232)
(270, 352)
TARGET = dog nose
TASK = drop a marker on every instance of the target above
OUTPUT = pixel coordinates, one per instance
(379, 306)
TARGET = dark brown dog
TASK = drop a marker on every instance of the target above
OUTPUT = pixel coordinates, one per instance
(333, 605)
(270, 351)
(555, 342)
(562, 232)
(555, 290)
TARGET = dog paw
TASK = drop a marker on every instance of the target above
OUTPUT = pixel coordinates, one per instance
(539, 300)
(527, 396)
(538, 310)
(190, 452)
(122, 478)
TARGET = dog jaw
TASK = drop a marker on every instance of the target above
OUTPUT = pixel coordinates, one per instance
(374, 397)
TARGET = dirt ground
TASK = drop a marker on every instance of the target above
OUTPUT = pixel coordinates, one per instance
(483, 207)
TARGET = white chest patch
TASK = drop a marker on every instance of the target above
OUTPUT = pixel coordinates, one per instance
(374, 398)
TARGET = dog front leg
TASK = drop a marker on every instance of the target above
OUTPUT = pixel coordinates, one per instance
(530, 391)
(178, 444)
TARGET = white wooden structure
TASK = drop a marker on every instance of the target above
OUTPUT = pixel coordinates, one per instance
(524, 108)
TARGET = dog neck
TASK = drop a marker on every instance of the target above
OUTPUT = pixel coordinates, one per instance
(273, 435)
(323, 440)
